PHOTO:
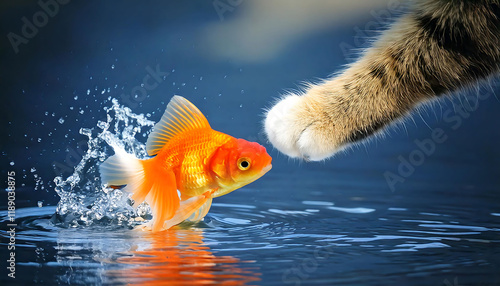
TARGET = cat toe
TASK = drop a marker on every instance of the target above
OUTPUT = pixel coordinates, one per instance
(281, 126)
(297, 127)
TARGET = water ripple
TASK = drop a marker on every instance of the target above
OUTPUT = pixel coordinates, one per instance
(358, 210)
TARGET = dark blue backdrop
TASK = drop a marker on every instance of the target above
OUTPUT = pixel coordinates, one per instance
(92, 50)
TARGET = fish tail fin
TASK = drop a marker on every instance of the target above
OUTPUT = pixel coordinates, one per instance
(147, 181)
(122, 169)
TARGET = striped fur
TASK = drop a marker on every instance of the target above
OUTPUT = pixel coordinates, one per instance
(438, 47)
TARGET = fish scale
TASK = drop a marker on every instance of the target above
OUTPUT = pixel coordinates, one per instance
(191, 158)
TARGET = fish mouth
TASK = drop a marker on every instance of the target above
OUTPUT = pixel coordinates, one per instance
(266, 169)
(233, 187)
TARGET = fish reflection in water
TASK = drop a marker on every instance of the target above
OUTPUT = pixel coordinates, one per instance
(179, 257)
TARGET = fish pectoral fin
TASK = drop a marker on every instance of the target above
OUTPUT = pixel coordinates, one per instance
(203, 210)
(162, 198)
(200, 213)
(187, 208)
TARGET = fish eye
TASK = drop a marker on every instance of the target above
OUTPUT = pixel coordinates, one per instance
(243, 164)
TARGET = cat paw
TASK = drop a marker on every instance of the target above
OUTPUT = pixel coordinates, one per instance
(299, 127)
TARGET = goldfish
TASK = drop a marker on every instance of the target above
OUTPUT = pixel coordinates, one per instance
(191, 164)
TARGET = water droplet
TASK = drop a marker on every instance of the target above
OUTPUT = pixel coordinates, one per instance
(241, 105)
(88, 91)
(76, 97)
(112, 67)
(39, 250)
(195, 87)
(103, 125)
(46, 113)
(86, 132)
(173, 70)
(12, 163)
(201, 78)
(183, 84)
(242, 91)
(40, 204)
(61, 120)
(39, 140)
(33, 169)
(81, 111)
(220, 94)
(71, 108)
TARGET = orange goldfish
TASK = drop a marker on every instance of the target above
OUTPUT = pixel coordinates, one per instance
(192, 165)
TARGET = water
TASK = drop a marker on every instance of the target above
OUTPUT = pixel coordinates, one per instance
(74, 91)
(255, 240)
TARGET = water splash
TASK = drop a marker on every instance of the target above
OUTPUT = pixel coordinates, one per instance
(84, 200)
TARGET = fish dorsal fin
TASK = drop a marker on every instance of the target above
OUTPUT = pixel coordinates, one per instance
(180, 116)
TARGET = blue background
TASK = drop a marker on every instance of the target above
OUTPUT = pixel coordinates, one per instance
(92, 51)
